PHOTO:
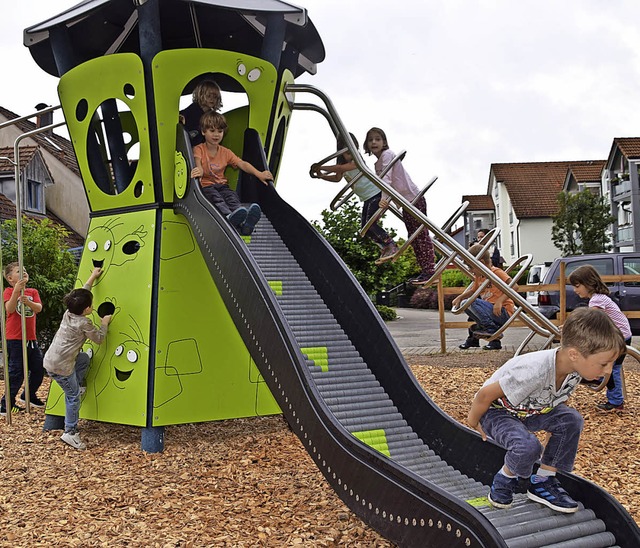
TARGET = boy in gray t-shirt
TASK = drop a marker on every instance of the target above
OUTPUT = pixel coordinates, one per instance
(528, 394)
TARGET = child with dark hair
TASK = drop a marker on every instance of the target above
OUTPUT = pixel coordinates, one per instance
(587, 284)
(369, 193)
(211, 160)
(397, 178)
(19, 301)
(65, 363)
(528, 394)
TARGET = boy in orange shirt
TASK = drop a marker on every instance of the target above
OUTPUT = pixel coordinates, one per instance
(211, 161)
(491, 309)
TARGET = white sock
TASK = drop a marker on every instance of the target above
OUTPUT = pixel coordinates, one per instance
(504, 473)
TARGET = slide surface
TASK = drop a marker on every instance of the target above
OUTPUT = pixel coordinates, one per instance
(401, 464)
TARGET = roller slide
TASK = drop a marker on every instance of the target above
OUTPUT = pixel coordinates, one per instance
(401, 464)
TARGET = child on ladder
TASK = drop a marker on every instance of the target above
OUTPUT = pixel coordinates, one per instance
(588, 284)
(398, 178)
(368, 192)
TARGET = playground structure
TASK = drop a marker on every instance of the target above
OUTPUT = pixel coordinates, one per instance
(208, 325)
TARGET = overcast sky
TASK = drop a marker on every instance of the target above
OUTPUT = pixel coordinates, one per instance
(459, 84)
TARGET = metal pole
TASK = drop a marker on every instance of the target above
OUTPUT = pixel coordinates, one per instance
(417, 214)
(16, 156)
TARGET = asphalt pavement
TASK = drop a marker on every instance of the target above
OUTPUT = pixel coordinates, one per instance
(417, 331)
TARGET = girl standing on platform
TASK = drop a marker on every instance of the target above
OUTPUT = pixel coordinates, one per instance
(398, 178)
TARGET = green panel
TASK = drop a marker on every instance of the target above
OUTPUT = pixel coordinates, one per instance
(174, 69)
(203, 369)
(237, 120)
(376, 439)
(118, 376)
(319, 355)
(276, 286)
(82, 90)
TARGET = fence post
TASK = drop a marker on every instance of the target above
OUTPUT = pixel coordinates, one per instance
(443, 339)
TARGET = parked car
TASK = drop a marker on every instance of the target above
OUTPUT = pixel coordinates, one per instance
(625, 294)
(536, 274)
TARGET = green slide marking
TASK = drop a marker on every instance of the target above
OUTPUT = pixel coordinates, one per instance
(376, 439)
(479, 502)
(276, 286)
(319, 355)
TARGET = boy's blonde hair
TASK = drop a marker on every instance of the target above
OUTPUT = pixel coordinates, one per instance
(203, 89)
(590, 330)
(213, 120)
(484, 258)
(7, 269)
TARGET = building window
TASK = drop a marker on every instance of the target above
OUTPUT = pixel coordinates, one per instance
(512, 247)
(34, 196)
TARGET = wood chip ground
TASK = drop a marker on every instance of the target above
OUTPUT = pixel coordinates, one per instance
(247, 482)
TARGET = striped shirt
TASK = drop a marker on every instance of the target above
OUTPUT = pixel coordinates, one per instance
(599, 300)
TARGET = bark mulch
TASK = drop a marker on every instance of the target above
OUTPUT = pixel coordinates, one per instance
(245, 482)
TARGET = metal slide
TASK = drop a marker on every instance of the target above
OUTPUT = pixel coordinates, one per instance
(401, 464)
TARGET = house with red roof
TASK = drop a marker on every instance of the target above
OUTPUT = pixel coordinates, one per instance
(51, 185)
(621, 177)
(524, 197)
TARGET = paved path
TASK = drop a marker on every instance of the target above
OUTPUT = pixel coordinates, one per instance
(417, 332)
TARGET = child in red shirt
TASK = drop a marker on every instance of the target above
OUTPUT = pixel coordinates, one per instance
(17, 305)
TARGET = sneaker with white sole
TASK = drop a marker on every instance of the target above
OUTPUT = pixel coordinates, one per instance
(35, 401)
(502, 489)
(73, 439)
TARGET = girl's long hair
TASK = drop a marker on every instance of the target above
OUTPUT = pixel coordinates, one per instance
(342, 144)
(588, 276)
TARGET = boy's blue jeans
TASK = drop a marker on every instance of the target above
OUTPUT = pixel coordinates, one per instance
(523, 448)
(71, 387)
(16, 368)
(481, 312)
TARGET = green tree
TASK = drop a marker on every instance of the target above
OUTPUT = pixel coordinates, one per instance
(581, 224)
(341, 229)
(52, 269)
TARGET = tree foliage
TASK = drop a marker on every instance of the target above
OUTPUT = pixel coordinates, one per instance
(581, 224)
(52, 269)
(341, 229)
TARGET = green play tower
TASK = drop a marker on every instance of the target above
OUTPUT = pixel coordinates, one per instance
(173, 354)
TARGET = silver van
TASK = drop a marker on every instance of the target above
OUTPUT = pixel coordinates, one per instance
(625, 294)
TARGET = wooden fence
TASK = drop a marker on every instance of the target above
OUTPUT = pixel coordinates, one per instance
(561, 286)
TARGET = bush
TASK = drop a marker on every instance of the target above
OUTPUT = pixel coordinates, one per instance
(455, 278)
(386, 313)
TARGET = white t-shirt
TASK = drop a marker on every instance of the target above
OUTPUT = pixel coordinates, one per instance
(529, 384)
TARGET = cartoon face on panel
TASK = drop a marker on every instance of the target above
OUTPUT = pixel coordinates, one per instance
(112, 245)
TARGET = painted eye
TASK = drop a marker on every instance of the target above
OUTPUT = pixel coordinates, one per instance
(119, 350)
(242, 69)
(89, 352)
(107, 245)
(132, 356)
(92, 246)
(254, 74)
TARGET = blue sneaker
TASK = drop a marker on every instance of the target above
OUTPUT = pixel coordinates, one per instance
(551, 494)
(238, 217)
(502, 489)
(253, 216)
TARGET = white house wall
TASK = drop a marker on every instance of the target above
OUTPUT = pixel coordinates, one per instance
(535, 238)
